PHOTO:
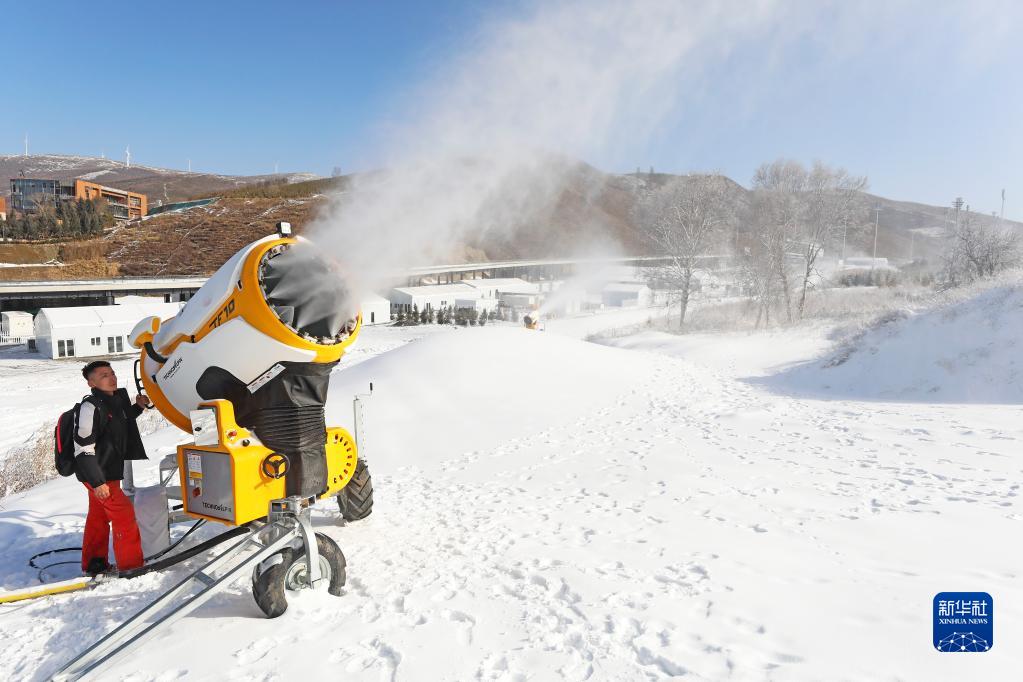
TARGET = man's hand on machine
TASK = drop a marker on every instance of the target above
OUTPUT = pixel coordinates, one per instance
(142, 401)
(102, 491)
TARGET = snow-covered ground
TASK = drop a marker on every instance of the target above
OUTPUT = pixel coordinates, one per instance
(655, 507)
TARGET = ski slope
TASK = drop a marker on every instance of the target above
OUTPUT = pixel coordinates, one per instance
(652, 508)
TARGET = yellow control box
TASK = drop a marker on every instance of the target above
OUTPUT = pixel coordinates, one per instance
(231, 480)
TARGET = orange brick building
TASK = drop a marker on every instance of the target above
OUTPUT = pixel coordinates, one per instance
(3, 209)
(123, 204)
(26, 193)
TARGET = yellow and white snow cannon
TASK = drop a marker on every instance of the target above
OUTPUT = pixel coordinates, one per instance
(533, 321)
(244, 368)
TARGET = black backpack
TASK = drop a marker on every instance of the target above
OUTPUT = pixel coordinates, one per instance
(64, 440)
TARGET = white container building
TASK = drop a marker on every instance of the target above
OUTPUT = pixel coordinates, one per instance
(15, 327)
(375, 310)
(493, 288)
(431, 296)
(92, 331)
(477, 304)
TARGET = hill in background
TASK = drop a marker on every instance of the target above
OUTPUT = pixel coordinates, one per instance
(159, 184)
(592, 207)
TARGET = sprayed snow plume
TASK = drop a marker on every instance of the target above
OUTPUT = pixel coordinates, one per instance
(493, 131)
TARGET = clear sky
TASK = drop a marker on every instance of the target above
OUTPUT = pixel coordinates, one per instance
(926, 100)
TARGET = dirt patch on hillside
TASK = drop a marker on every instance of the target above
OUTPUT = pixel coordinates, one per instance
(95, 268)
(19, 254)
(200, 240)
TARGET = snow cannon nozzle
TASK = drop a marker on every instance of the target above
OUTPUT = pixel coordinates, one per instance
(307, 293)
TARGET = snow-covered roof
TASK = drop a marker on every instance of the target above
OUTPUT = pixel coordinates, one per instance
(511, 285)
(94, 316)
(454, 289)
(132, 299)
(373, 299)
(16, 315)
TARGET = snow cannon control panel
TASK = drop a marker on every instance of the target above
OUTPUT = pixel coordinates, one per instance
(229, 476)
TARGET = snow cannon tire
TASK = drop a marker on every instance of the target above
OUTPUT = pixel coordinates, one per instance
(356, 499)
(270, 586)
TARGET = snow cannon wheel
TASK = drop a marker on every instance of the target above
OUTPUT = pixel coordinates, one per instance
(356, 499)
(271, 584)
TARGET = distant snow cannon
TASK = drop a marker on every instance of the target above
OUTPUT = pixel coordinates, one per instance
(533, 321)
(244, 368)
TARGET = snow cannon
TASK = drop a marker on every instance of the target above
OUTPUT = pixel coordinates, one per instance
(244, 368)
(532, 321)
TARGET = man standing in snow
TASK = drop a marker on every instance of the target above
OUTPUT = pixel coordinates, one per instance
(105, 436)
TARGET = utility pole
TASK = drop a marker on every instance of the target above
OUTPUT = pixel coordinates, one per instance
(877, 217)
(957, 206)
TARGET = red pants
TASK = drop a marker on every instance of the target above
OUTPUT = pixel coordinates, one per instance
(117, 510)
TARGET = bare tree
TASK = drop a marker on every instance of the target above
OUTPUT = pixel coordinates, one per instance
(777, 216)
(974, 250)
(797, 212)
(683, 221)
(832, 202)
(757, 275)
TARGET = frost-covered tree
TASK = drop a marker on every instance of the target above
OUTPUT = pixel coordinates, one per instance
(833, 203)
(777, 212)
(974, 251)
(797, 212)
(683, 220)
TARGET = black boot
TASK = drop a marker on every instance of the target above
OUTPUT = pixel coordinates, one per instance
(97, 565)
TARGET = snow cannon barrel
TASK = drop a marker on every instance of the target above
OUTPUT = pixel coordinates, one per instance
(264, 332)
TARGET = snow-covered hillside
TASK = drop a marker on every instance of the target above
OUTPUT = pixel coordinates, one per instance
(549, 508)
(968, 351)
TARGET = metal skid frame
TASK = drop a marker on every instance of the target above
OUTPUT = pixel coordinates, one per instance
(289, 520)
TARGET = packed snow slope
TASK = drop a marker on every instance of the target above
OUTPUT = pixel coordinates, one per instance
(965, 352)
(552, 509)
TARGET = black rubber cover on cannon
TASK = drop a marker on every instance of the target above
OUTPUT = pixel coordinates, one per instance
(286, 414)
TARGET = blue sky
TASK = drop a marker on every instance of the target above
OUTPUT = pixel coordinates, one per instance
(926, 104)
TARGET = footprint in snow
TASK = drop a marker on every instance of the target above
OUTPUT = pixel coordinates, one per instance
(255, 651)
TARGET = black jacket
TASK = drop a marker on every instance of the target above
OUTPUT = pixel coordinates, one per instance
(105, 436)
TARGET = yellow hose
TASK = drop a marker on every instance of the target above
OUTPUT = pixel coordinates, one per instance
(46, 590)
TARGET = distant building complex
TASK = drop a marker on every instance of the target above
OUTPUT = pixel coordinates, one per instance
(28, 193)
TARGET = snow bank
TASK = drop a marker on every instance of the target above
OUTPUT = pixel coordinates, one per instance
(967, 351)
(474, 388)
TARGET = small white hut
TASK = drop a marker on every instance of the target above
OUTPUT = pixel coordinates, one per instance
(91, 331)
(15, 327)
(375, 309)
